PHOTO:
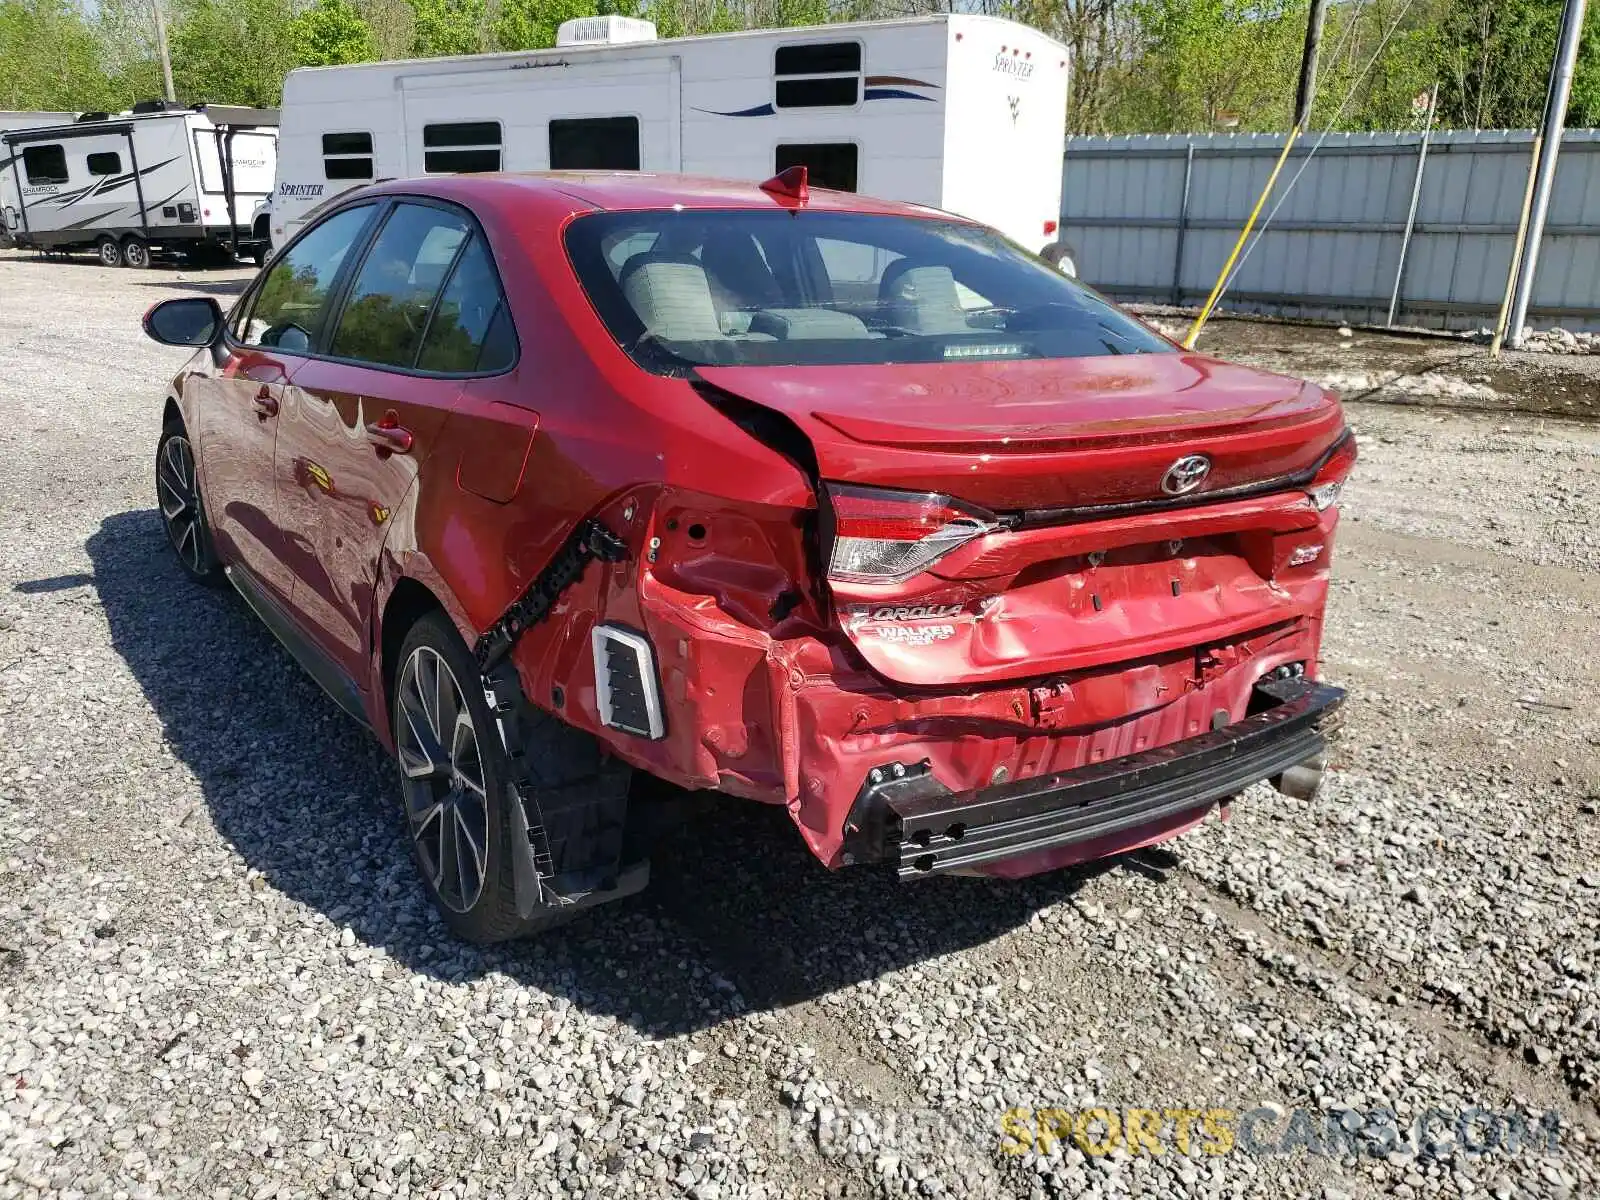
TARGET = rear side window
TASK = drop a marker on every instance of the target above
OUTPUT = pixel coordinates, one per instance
(464, 147)
(347, 156)
(106, 163)
(394, 291)
(45, 164)
(471, 328)
(289, 308)
(818, 75)
(594, 144)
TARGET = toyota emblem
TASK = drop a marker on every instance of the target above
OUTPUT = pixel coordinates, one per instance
(1185, 475)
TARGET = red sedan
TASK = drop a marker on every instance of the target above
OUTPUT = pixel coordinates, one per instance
(818, 501)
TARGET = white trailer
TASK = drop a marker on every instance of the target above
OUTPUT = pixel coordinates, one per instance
(150, 180)
(960, 112)
(12, 119)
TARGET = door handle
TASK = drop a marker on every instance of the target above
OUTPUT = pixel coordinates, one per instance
(389, 436)
(265, 403)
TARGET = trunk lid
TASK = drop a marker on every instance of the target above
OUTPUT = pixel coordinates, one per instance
(1092, 564)
(1046, 434)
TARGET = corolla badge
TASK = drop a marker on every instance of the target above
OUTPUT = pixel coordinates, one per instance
(1188, 473)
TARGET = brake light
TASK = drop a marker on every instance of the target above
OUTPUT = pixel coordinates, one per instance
(1330, 479)
(885, 537)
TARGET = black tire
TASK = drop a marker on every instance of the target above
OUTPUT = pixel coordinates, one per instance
(206, 254)
(1062, 257)
(259, 255)
(109, 252)
(182, 508)
(490, 913)
(135, 252)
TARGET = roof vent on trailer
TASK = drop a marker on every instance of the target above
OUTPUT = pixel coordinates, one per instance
(604, 31)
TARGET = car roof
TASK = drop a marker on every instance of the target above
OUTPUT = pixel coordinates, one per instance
(635, 190)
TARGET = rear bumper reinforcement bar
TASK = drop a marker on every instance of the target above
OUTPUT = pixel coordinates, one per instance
(933, 830)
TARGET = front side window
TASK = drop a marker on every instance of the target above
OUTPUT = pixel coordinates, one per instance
(347, 156)
(463, 147)
(387, 313)
(764, 288)
(107, 163)
(290, 305)
(45, 164)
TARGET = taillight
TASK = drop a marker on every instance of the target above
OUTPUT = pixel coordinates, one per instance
(885, 537)
(1330, 478)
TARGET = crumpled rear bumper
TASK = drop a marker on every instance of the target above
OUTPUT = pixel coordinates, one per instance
(797, 722)
(904, 813)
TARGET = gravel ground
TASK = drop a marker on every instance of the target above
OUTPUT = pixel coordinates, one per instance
(1410, 369)
(219, 977)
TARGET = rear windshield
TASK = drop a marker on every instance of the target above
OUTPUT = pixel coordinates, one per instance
(680, 289)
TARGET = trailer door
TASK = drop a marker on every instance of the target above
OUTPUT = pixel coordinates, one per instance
(234, 164)
(620, 114)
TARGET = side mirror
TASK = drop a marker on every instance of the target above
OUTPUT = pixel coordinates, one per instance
(189, 321)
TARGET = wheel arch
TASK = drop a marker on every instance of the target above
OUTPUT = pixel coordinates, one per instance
(408, 588)
(409, 602)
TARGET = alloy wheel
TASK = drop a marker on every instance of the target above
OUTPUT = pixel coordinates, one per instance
(180, 500)
(110, 253)
(446, 798)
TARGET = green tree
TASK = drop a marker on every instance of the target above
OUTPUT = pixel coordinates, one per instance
(683, 18)
(1492, 59)
(125, 33)
(1100, 34)
(1207, 64)
(393, 25)
(532, 24)
(329, 33)
(49, 57)
(231, 51)
(444, 27)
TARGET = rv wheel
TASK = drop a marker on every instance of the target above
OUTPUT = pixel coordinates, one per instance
(110, 253)
(136, 253)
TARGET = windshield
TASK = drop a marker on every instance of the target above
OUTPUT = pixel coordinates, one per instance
(680, 289)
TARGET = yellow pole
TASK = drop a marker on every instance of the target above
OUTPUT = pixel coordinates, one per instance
(1216, 292)
(1516, 249)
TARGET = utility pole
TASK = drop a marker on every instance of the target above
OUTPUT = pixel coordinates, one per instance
(1302, 117)
(1308, 65)
(161, 45)
(1555, 119)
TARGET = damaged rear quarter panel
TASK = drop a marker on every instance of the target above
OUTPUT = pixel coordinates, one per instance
(577, 430)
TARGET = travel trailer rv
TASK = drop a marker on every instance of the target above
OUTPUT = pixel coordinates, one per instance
(152, 180)
(959, 112)
(11, 119)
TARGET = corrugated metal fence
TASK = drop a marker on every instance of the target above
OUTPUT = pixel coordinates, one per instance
(1152, 218)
